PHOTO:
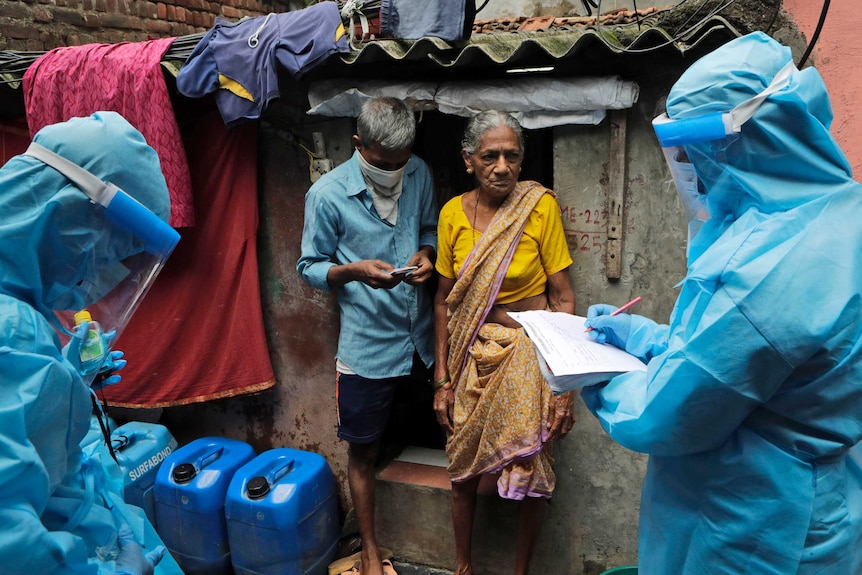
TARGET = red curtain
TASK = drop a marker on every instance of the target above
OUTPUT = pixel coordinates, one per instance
(199, 333)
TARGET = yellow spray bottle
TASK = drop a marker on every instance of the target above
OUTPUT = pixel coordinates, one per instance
(93, 348)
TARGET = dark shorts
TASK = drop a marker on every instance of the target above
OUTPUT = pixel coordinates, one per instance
(365, 405)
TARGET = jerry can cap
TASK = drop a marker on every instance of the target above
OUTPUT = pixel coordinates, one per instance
(184, 472)
(257, 487)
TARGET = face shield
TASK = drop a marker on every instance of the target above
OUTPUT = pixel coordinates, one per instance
(112, 277)
(719, 130)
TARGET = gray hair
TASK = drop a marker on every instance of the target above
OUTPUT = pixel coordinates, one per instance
(489, 120)
(388, 122)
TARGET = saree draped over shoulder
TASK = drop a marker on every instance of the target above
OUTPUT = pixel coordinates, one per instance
(501, 399)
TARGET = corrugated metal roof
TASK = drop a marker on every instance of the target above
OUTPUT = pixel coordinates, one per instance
(530, 42)
(505, 41)
(574, 45)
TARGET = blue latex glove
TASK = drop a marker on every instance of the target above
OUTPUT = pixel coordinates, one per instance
(636, 334)
(131, 560)
(113, 363)
(607, 328)
(108, 372)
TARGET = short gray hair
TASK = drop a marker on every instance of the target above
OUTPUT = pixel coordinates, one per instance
(489, 120)
(388, 122)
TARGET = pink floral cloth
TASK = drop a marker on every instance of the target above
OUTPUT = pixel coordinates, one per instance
(126, 78)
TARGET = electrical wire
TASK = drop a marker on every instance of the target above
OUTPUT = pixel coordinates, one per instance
(685, 27)
(814, 37)
(311, 157)
(774, 16)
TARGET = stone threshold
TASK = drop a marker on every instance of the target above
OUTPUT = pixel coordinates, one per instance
(427, 467)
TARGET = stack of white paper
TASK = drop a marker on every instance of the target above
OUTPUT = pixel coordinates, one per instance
(569, 358)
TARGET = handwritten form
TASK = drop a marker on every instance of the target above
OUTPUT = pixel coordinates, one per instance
(571, 359)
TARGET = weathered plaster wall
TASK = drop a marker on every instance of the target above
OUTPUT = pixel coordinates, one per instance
(597, 501)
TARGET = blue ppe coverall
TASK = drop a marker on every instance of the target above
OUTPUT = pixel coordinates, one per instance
(57, 515)
(753, 392)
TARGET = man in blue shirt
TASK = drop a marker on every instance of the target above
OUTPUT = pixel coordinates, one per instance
(363, 220)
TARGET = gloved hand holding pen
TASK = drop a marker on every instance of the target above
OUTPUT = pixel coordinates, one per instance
(606, 325)
(636, 334)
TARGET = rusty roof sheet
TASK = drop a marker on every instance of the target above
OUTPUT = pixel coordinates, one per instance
(525, 24)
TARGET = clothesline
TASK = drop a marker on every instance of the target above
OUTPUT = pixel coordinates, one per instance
(14, 64)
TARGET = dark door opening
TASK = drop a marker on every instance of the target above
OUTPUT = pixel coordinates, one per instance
(412, 422)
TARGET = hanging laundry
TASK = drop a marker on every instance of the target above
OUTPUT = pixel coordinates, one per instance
(239, 61)
(450, 20)
(126, 78)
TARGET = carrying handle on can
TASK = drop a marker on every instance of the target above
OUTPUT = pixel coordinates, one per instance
(120, 442)
(277, 473)
(208, 457)
(123, 440)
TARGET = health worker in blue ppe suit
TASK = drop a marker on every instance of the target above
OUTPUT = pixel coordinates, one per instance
(83, 224)
(752, 396)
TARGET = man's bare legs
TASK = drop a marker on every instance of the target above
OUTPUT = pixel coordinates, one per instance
(531, 512)
(362, 480)
(463, 513)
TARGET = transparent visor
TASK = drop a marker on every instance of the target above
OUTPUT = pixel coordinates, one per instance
(718, 130)
(113, 281)
(689, 188)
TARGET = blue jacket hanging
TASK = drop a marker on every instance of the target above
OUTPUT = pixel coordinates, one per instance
(239, 61)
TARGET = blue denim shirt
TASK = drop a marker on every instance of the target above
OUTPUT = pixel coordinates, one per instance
(380, 328)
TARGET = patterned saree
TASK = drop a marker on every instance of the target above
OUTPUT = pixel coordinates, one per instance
(501, 399)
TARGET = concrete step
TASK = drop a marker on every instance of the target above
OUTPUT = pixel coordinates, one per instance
(413, 517)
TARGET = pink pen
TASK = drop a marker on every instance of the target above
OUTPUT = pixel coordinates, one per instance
(620, 310)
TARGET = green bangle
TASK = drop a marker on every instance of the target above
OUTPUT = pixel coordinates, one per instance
(438, 383)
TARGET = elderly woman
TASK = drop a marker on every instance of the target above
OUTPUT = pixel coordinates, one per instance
(501, 248)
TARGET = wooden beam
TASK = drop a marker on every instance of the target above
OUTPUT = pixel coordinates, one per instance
(616, 193)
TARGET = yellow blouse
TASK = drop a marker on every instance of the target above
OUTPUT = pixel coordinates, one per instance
(542, 250)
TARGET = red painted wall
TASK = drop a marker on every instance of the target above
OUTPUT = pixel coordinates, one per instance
(837, 57)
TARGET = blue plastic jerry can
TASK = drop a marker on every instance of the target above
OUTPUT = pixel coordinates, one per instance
(140, 449)
(282, 514)
(190, 490)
